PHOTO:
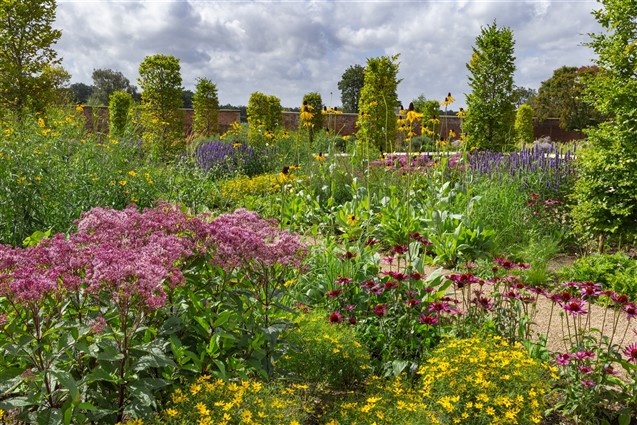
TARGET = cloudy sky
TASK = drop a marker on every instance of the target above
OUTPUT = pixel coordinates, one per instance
(289, 48)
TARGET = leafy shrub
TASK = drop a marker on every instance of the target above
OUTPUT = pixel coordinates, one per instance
(215, 401)
(484, 381)
(119, 106)
(524, 125)
(617, 272)
(324, 355)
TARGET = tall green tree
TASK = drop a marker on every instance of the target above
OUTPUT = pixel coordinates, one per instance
(378, 103)
(161, 84)
(26, 53)
(562, 96)
(606, 188)
(351, 84)
(206, 105)
(491, 103)
(105, 83)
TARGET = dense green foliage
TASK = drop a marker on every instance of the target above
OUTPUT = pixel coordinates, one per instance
(606, 191)
(562, 96)
(491, 108)
(524, 125)
(378, 102)
(27, 57)
(160, 81)
(206, 106)
(265, 116)
(119, 109)
(105, 83)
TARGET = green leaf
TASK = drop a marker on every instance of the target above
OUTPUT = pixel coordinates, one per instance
(67, 381)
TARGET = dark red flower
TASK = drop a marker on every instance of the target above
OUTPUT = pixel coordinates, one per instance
(336, 317)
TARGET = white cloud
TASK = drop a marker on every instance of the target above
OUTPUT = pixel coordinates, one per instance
(290, 48)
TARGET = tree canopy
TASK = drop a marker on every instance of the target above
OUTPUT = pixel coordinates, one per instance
(350, 86)
(491, 107)
(562, 96)
(26, 53)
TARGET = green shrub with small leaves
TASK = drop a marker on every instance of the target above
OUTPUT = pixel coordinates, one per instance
(324, 355)
(265, 116)
(524, 125)
(616, 272)
(119, 106)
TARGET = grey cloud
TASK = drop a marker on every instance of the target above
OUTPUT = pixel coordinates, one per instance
(290, 48)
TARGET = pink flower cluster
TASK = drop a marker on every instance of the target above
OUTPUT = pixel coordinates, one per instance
(134, 255)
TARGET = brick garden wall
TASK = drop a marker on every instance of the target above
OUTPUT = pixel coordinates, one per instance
(341, 124)
(97, 119)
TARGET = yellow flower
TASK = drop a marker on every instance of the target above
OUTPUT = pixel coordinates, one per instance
(79, 108)
(319, 157)
(195, 388)
(122, 182)
(448, 100)
(172, 413)
(352, 220)
(132, 173)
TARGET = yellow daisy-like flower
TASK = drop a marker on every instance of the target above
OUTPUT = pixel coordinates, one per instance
(172, 413)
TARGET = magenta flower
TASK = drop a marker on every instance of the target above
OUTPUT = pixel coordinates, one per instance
(428, 319)
(344, 280)
(631, 310)
(399, 249)
(380, 310)
(335, 293)
(585, 354)
(586, 369)
(588, 383)
(575, 306)
(631, 353)
(563, 359)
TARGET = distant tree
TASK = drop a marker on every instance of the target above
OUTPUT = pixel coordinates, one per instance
(491, 108)
(524, 125)
(160, 81)
(187, 96)
(107, 81)
(522, 95)
(606, 188)
(351, 84)
(80, 92)
(378, 103)
(562, 96)
(26, 53)
(206, 106)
